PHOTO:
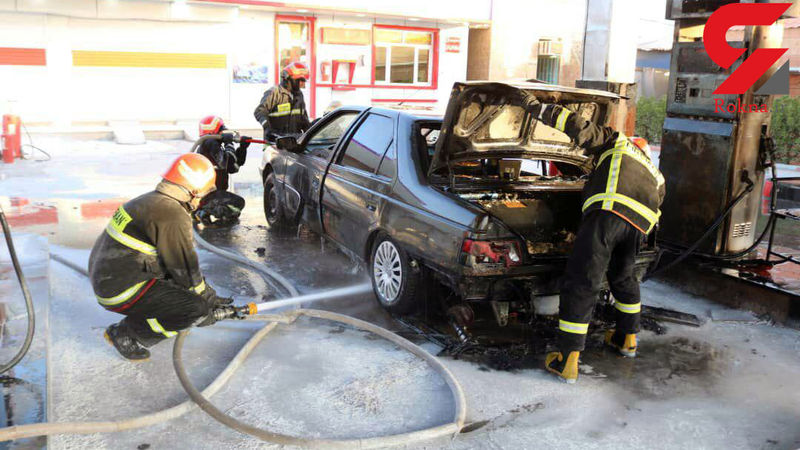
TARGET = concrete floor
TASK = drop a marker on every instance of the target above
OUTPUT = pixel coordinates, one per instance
(730, 384)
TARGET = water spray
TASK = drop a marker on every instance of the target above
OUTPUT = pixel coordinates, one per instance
(241, 312)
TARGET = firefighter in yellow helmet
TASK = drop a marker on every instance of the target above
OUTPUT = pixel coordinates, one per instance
(621, 206)
(144, 265)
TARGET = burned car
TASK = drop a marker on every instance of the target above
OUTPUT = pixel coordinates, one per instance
(485, 202)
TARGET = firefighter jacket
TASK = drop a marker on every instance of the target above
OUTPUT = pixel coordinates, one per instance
(624, 181)
(282, 112)
(148, 238)
(225, 159)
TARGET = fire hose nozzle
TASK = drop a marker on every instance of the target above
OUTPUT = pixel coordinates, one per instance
(234, 312)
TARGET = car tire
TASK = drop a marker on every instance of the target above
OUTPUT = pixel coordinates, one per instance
(395, 282)
(273, 210)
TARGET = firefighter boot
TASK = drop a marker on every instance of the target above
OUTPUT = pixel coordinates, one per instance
(565, 368)
(126, 345)
(624, 343)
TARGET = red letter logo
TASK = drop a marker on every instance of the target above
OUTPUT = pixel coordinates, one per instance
(723, 54)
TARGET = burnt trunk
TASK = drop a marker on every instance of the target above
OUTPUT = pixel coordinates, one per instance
(547, 220)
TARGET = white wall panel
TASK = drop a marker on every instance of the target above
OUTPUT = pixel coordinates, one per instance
(120, 93)
(80, 8)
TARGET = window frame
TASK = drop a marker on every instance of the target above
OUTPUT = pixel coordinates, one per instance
(433, 58)
(339, 157)
(325, 122)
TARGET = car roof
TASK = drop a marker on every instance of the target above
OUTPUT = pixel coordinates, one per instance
(414, 115)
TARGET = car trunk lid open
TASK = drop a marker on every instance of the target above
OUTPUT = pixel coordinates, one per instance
(488, 120)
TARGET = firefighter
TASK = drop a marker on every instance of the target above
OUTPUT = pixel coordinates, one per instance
(221, 152)
(144, 265)
(221, 207)
(620, 206)
(282, 110)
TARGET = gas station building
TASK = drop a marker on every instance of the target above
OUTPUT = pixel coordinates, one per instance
(83, 65)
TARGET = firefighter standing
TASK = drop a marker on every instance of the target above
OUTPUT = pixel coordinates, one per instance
(621, 201)
(144, 264)
(282, 110)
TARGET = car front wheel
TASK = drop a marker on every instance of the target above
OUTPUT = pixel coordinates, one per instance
(394, 281)
(272, 206)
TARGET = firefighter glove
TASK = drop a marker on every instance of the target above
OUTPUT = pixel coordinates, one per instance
(233, 165)
(212, 299)
(228, 137)
(244, 142)
(531, 104)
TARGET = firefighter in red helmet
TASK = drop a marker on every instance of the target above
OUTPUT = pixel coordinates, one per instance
(226, 159)
(282, 110)
(144, 266)
(222, 207)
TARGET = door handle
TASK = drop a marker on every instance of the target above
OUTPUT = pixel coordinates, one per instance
(371, 207)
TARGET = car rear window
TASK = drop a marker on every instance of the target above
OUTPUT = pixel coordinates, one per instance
(367, 146)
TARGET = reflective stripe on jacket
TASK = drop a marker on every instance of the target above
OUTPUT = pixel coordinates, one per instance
(624, 181)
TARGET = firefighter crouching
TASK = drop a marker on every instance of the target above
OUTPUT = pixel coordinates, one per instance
(221, 207)
(621, 201)
(282, 110)
(144, 265)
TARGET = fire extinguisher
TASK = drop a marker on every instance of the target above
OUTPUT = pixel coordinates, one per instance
(12, 138)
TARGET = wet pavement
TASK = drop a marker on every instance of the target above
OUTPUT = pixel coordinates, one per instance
(724, 385)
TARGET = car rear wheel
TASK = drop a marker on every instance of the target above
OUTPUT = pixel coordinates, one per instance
(273, 211)
(394, 281)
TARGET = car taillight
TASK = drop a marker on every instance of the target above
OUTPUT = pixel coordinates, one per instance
(491, 252)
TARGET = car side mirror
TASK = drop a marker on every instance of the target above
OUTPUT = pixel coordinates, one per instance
(288, 143)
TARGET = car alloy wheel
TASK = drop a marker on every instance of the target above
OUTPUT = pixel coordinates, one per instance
(388, 271)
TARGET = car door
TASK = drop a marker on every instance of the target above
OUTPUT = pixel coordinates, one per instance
(353, 188)
(304, 170)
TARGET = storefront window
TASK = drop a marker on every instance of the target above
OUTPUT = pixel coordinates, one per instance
(402, 64)
(294, 45)
(422, 67)
(402, 56)
(380, 63)
(388, 36)
(292, 42)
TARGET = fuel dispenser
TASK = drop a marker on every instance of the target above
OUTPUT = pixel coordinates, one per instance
(712, 152)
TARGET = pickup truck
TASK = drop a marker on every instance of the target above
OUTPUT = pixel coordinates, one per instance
(485, 202)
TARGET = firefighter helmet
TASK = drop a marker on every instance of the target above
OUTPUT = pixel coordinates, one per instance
(211, 125)
(194, 172)
(642, 144)
(294, 71)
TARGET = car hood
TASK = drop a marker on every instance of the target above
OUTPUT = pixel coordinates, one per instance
(488, 120)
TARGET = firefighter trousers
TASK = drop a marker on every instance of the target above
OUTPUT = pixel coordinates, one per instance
(162, 311)
(606, 246)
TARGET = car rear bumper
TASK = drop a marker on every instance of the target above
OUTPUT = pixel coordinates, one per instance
(530, 280)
